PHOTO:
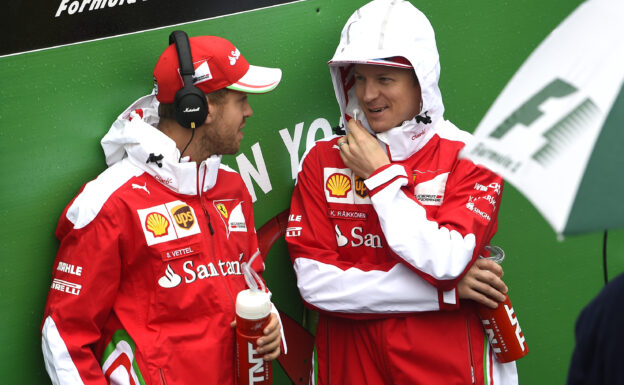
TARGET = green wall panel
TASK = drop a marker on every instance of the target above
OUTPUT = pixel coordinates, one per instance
(56, 104)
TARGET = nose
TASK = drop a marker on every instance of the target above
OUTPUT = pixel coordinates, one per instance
(370, 91)
(247, 111)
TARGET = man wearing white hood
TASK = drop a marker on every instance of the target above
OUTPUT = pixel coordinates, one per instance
(152, 252)
(387, 224)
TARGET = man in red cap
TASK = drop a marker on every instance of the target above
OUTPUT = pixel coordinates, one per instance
(154, 250)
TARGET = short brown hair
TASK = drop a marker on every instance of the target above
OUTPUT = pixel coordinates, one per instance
(167, 111)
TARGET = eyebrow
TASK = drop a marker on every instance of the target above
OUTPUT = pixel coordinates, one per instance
(378, 74)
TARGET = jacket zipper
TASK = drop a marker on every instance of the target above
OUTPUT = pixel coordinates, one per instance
(162, 377)
(201, 202)
(212, 251)
(472, 368)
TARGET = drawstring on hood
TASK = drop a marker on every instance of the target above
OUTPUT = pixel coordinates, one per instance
(155, 158)
(403, 31)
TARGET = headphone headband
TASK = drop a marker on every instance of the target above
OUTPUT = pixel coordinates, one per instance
(191, 108)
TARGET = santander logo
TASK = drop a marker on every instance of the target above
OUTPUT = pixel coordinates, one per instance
(170, 279)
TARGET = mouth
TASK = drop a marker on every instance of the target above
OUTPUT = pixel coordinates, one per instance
(376, 110)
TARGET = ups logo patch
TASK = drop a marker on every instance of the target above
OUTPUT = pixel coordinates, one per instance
(360, 187)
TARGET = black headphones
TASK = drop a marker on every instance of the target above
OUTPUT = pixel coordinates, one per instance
(189, 104)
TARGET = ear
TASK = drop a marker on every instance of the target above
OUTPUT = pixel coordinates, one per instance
(212, 107)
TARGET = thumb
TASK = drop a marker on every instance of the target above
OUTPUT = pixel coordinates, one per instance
(355, 127)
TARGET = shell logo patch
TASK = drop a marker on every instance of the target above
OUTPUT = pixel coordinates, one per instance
(157, 224)
(167, 222)
(338, 185)
(342, 186)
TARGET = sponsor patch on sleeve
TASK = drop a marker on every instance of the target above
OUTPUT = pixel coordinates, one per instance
(66, 287)
(431, 192)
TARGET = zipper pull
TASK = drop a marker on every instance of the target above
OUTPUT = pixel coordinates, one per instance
(209, 221)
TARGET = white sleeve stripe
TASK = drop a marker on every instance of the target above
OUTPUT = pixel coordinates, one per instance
(330, 288)
(58, 362)
(385, 176)
(90, 201)
(436, 251)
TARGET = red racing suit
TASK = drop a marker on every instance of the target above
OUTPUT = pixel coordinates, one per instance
(380, 259)
(149, 266)
(371, 254)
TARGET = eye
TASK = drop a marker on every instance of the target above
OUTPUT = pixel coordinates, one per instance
(358, 78)
(385, 80)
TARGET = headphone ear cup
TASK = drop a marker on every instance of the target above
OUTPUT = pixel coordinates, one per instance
(191, 107)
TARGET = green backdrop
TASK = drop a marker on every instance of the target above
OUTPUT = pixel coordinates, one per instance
(56, 104)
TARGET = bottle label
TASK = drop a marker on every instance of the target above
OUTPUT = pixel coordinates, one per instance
(503, 331)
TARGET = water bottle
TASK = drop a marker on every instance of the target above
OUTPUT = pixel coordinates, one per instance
(501, 324)
(253, 309)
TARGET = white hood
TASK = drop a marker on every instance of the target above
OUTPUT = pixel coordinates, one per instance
(134, 136)
(382, 29)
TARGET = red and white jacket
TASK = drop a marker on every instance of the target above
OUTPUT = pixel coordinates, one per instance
(149, 266)
(411, 230)
(396, 244)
